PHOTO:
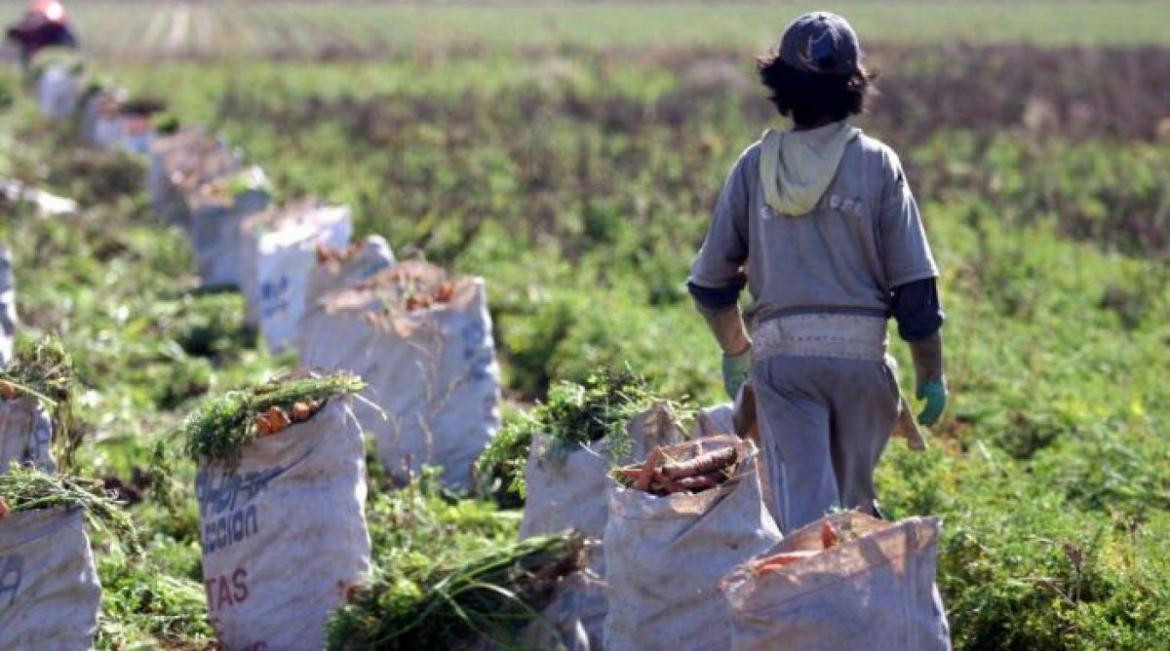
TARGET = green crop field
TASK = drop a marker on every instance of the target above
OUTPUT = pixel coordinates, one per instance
(346, 29)
(570, 155)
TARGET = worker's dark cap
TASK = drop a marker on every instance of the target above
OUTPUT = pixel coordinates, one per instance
(821, 43)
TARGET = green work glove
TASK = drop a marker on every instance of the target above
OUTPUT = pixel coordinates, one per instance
(736, 369)
(934, 392)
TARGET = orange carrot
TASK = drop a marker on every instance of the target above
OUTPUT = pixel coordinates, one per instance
(701, 482)
(829, 535)
(702, 464)
(301, 412)
(642, 483)
(629, 472)
(784, 560)
(4, 510)
(445, 292)
(272, 422)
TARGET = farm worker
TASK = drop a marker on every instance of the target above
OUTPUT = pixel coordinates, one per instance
(819, 223)
(45, 24)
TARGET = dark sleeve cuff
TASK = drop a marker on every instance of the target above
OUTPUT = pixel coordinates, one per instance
(715, 298)
(917, 309)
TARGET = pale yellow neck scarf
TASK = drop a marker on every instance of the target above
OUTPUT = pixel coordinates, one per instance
(796, 167)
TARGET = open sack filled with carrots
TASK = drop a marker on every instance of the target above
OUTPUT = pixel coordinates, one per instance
(180, 163)
(339, 267)
(218, 209)
(678, 522)
(281, 489)
(847, 581)
(567, 483)
(422, 340)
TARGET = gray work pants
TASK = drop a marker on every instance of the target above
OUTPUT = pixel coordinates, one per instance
(823, 422)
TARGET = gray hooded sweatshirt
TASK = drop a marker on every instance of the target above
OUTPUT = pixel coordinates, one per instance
(836, 230)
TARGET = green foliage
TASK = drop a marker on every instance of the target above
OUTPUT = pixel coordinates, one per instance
(44, 371)
(143, 605)
(573, 415)
(28, 489)
(448, 574)
(499, 470)
(222, 427)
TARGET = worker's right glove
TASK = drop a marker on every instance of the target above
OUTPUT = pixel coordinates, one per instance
(736, 369)
(932, 385)
(934, 392)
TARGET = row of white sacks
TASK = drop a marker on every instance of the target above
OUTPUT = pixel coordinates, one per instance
(682, 571)
(49, 590)
(432, 370)
(433, 396)
(427, 364)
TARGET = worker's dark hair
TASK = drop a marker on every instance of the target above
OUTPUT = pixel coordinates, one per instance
(808, 97)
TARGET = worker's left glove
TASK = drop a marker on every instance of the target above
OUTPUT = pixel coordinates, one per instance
(736, 369)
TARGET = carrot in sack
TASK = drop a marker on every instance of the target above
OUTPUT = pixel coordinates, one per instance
(645, 476)
(272, 421)
(701, 482)
(702, 464)
(785, 559)
(302, 411)
(829, 535)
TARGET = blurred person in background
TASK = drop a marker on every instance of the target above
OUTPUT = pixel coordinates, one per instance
(45, 24)
(819, 223)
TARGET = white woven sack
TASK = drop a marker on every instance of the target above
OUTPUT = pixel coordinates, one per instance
(433, 372)
(49, 590)
(180, 163)
(277, 249)
(874, 592)
(569, 488)
(664, 557)
(26, 435)
(7, 306)
(284, 535)
(573, 621)
(58, 92)
(101, 126)
(218, 212)
(284, 258)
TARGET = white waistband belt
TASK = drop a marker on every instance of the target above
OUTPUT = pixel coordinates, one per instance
(847, 336)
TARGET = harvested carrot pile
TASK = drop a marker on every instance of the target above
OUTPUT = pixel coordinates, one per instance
(275, 419)
(223, 426)
(830, 537)
(332, 255)
(410, 286)
(662, 475)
